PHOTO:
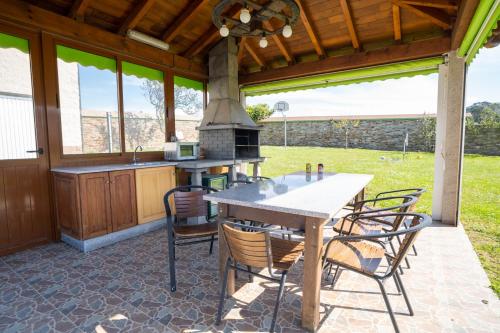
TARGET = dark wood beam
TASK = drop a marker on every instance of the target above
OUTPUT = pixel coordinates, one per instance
(241, 49)
(254, 54)
(135, 16)
(78, 8)
(280, 42)
(434, 15)
(396, 21)
(443, 4)
(390, 54)
(180, 21)
(346, 11)
(465, 13)
(304, 16)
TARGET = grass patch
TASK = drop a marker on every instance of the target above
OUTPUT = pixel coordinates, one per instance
(480, 213)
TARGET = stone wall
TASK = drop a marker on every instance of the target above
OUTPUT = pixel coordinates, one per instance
(380, 134)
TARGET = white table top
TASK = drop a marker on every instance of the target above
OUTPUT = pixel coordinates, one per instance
(296, 194)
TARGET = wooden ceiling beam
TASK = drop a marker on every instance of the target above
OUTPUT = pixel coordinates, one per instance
(394, 53)
(396, 21)
(180, 21)
(285, 51)
(135, 16)
(254, 54)
(346, 10)
(465, 13)
(320, 51)
(78, 8)
(434, 15)
(241, 49)
(443, 4)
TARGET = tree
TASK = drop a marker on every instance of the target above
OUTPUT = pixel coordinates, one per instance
(345, 125)
(427, 128)
(259, 112)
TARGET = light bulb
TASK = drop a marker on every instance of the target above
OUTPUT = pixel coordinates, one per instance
(263, 42)
(287, 31)
(224, 31)
(245, 16)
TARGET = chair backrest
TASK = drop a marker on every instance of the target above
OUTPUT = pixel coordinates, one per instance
(237, 182)
(407, 203)
(252, 248)
(413, 192)
(188, 203)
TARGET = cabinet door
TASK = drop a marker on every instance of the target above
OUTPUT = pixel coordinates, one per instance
(95, 203)
(123, 200)
(152, 184)
(67, 203)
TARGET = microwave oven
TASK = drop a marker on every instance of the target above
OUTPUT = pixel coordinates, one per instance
(179, 151)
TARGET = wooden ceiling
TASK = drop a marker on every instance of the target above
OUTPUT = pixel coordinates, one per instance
(327, 28)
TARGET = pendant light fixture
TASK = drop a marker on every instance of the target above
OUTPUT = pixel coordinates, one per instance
(245, 16)
(263, 42)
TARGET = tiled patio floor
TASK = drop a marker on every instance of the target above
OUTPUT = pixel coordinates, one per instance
(124, 288)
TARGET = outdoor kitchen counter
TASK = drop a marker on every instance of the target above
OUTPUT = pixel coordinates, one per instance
(112, 167)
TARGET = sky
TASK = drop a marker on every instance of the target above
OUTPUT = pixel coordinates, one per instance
(414, 95)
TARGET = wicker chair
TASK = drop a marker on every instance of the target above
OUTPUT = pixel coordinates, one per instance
(363, 254)
(188, 204)
(256, 248)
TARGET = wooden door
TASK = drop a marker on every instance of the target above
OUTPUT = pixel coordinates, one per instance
(67, 204)
(24, 167)
(95, 204)
(152, 184)
(123, 200)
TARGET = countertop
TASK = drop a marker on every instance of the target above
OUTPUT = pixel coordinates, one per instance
(208, 163)
(297, 194)
(112, 167)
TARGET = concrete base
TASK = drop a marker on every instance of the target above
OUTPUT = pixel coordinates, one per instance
(114, 237)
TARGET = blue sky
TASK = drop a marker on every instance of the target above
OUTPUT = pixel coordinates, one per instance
(401, 96)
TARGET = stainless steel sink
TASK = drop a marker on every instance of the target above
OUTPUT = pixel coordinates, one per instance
(146, 163)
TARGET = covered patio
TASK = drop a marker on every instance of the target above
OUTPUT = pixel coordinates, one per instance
(91, 150)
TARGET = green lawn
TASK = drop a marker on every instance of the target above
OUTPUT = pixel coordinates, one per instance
(481, 186)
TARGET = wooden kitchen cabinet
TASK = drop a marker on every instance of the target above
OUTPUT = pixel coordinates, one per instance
(95, 203)
(123, 199)
(151, 185)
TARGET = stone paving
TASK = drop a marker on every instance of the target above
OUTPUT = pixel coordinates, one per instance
(124, 288)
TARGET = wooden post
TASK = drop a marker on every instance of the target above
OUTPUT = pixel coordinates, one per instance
(223, 251)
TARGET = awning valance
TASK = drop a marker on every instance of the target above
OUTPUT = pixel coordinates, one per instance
(188, 83)
(9, 41)
(368, 74)
(69, 54)
(484, 21)
(142, 72)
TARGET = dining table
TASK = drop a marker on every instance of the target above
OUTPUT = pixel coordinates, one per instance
(304, 201)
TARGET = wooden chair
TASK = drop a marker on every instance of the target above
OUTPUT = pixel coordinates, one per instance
(188, 204)
(363, 254)
(256, 248)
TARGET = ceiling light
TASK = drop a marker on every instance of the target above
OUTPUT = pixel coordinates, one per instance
(224, 31)
(263, 42)
(287, 31)
(146, 39)
(245, 16)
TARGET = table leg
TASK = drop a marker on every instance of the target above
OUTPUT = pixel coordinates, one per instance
(196, 177)
(312, 273)
(223, 252)
(256, 169)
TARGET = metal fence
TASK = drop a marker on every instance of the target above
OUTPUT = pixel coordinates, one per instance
(17, 126)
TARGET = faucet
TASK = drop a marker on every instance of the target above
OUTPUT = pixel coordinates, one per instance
(135, 159)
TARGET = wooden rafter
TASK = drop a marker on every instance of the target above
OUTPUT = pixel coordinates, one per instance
(254, 54)
(443, 4)
(279, 42)
(78, 8)
(136, 15)
(310, 30)
(464, 17)
(396, 20)
(350, 23)
(180, 21)
(434, 15)
(241, 49)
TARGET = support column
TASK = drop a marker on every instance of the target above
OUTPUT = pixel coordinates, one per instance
(450, 130)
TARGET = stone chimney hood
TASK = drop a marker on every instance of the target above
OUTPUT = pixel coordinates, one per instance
(224, 109)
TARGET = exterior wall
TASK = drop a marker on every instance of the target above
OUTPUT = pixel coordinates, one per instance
(381, 134)
(188, 129)
(218, 143)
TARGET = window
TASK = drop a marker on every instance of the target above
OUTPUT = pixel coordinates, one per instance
(188, 99)
(88, 102)
(143, 107)
(17, 123)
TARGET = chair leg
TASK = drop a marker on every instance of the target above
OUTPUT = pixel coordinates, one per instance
(211, 244)
(171, 257)
(397, 284)
(250, 276)
(329, 265)
(335, 276)
(223, 293)
(388, 305)
(414, 249)
(405, 295)
(278, 300)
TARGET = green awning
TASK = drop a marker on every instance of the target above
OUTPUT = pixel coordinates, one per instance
(484, 21)
(188, 83)
(368, 74)
(68, 54)
(9, 41)
(142, 72)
